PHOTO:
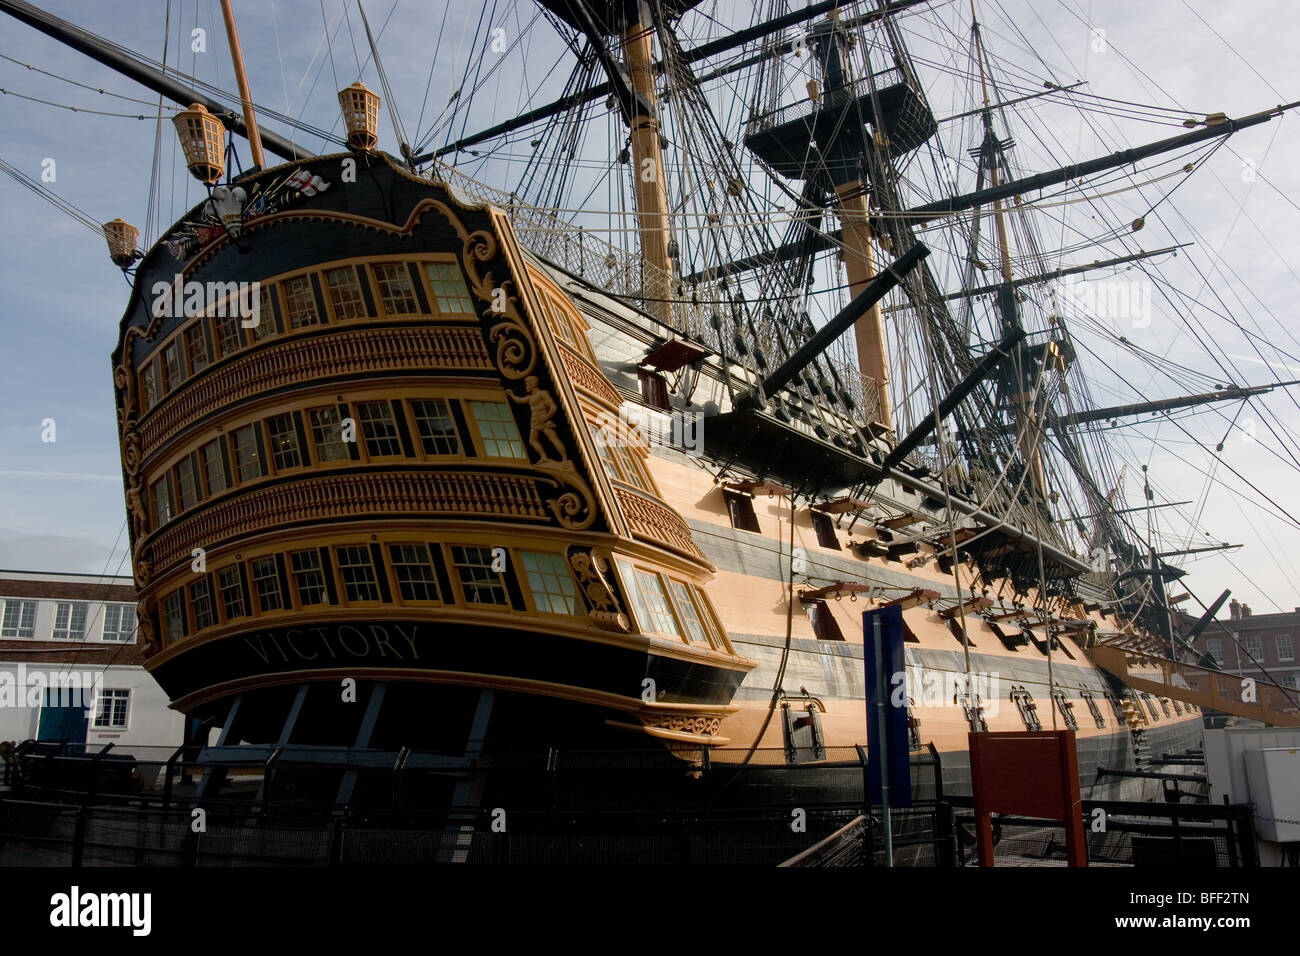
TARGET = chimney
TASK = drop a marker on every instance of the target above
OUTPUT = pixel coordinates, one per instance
(1234, 609)
(1245, 610)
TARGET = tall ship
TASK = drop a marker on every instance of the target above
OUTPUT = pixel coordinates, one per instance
(613, 454)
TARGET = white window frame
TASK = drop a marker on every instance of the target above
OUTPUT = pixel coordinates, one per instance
(102, 696)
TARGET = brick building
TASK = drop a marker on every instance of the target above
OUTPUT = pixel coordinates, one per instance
(1262, 646)
(71, 667)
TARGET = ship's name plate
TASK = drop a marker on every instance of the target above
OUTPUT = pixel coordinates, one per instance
(320, 644)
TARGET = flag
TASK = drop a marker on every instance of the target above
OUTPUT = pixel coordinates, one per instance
(307, 183)
(260, 206)
(181, 245)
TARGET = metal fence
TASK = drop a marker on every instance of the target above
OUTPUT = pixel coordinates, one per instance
(1121, 833)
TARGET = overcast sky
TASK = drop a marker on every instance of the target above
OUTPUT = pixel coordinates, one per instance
(61, 503)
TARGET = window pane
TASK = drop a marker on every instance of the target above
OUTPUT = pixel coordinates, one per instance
(19, 619)
(248, 458)
(284, 442)
(436, 427)
(551, 582)
(449, 291)
(197, 347)
(69, 622)
(358, 574)
(173, 374)
(378, 429)
(119, 622)
(186, 490)
(414, 570)
(227, 329)
(480, 583)
(111, 708)
(497, 427)
(395, 288)
(1285, 650)
(689, 615)
(201, 601)
(327, 434)
(308, 578)
(151, 390)
(659, 614)
(345, 293)
(300, 302)
(266, 583)
(174, 616)
(214, 467)
(161, 493)
(232, 593)
(267, 323)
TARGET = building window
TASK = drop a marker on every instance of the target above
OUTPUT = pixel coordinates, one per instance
(656, 613)
(227, 328)
(267, 323)
(496, 426)
(284, 442)
(1285, 650)
(187, 492)
(150, 379)
(119, 623)
(395, 290)
(1028, 709)
(449, 292)
(248, 452)
(478, 581)
(823, 622)
(174, 616)
(688, 612)
(214, 467)
(327, 434)
(112, 707)
(308, 578)
(232, 593)
(69, 622)
(436, 427)
(1254, 645)
(266, 585)
(741, 509)
(416, 580)
(173, 370)
(1214, 647)
(19, 619)
(345, 293)
(201, 602)
(358, 570)
(379, 429)
(300, 303)
(196, 345)
(551, 582)
(824, 525)
(1290, 680)
(161, 493)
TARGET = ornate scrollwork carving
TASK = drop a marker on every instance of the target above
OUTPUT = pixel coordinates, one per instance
(592, 572)
(684, 723)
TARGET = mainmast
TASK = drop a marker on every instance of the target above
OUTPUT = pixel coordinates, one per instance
(241, 77)
(1028, 424)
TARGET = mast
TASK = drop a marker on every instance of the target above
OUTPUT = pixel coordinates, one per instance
(1028, 426)
(241, 77)
(653, 228)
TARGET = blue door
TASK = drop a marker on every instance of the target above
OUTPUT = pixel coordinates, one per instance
(61, 723)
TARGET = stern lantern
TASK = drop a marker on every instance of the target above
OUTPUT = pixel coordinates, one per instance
(121, 238)
(203, 138)
(360, 109)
